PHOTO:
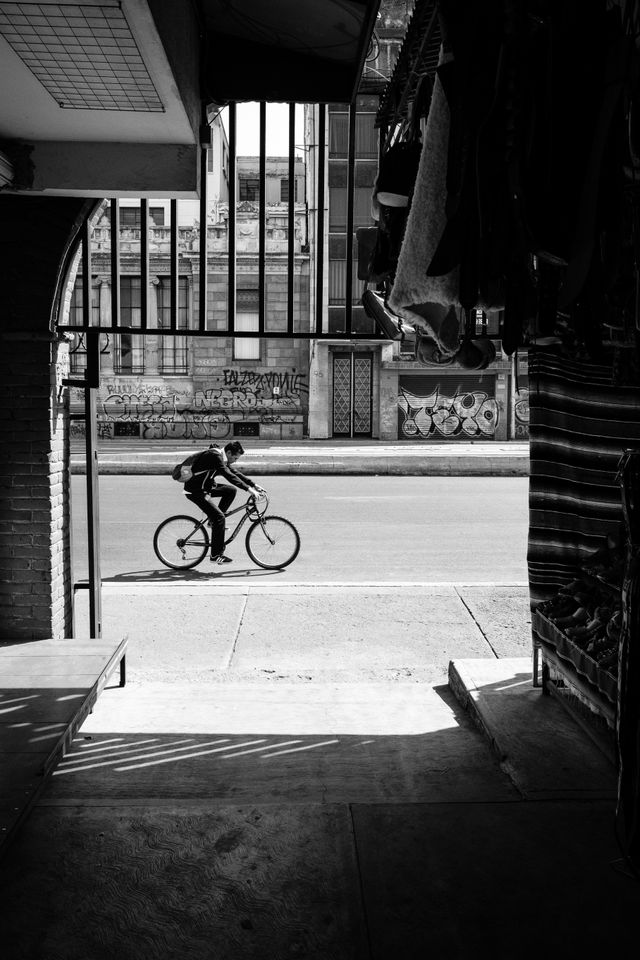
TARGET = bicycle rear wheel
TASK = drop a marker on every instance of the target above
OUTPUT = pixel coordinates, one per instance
(272, 542)
(181, 542)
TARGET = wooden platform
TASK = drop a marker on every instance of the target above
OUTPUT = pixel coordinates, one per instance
(47, 688)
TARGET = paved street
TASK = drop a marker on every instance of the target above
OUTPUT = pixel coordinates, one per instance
(418, 559)
(353, 529)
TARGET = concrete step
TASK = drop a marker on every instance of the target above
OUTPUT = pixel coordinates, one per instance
(546, 753)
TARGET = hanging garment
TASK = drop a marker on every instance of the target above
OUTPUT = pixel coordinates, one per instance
(422, 300)
(474, 238)
(393, 191)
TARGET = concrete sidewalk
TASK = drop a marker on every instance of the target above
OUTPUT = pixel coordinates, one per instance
(453, 458)
(288, 773)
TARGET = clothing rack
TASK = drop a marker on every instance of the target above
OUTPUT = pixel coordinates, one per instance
(418, 58)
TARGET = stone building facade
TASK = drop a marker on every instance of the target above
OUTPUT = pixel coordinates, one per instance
(210, 388)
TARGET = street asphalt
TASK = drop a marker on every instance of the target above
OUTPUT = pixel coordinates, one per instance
(360, 458)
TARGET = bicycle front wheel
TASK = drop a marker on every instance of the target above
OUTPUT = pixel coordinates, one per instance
(272, 542)
(181, 542)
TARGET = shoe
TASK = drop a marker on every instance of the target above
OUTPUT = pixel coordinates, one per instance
(393, 327)
(221, 559)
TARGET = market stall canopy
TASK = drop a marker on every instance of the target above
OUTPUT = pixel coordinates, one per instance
(106, 97)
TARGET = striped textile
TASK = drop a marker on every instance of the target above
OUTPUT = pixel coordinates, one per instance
(580, 424)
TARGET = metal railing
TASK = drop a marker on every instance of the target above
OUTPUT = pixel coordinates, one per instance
(305, 318)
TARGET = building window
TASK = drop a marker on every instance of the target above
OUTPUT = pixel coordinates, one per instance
(128, 354)
(78, 352)
(173, 350)
(129, 347)
(366, 146)
(130, 217)
(338, 134)
(338, 208)
(247, 317)
(249, 188)
(284, 190)
(366, 137)
(76, 316)
(338, 282)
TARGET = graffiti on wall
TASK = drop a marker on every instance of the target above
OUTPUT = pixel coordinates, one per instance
(290, 385)
(181, 413)
(521, 414)
(440, 415)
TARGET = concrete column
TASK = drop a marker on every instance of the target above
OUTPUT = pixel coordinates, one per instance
(502, 402)
(319, 400)
(152, 344)
(388, 396)
(104, 301)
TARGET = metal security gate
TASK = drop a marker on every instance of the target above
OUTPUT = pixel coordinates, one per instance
(148, 253)
(352, 394)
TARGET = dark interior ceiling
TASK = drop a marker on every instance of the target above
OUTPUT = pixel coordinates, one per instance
(308, 51)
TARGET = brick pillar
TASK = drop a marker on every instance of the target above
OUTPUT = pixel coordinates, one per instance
(35, 566)
(35, 588)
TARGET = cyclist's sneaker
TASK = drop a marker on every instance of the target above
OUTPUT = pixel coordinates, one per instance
(221, 559)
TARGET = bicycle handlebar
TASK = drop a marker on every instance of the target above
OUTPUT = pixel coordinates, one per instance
(260, 501)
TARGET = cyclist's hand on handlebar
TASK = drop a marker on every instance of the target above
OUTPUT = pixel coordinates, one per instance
(260, 491)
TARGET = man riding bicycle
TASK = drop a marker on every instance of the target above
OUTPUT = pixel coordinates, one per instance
(203, 486)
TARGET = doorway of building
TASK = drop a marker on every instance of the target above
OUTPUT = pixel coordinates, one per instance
(352, 394)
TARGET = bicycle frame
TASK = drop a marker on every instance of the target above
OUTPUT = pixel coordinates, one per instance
(247, 507)
(240, 523)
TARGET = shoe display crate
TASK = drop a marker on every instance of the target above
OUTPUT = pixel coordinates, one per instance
(576, 636)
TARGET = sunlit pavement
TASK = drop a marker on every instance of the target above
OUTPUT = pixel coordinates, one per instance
(454, 458)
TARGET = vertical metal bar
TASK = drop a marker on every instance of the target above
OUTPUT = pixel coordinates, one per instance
(202, 265)
(322, 135)
(291, 220)
(93, 505)
(174, 266)
(115, 264)
(144, 263)
(351, 167)
(86, 275)
(231, 232)
(262, 221)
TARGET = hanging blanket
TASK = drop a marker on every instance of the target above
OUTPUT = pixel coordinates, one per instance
(580, 424)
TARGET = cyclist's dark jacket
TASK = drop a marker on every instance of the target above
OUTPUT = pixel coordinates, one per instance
(213, 464)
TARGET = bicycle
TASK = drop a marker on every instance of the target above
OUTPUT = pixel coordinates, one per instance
(182, 542)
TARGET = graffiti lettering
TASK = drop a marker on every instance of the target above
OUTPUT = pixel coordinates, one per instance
(461, 415)
(196, 428)
(236, 395)
(288, 384)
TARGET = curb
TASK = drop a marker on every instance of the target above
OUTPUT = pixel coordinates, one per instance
(434, 466)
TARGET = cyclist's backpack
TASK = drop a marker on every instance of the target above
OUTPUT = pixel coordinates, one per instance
(183, 472)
